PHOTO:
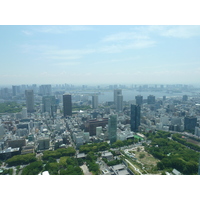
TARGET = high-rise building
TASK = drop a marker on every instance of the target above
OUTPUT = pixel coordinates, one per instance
(185, 98)
(94, 101)
(135, 117)
(24, 113)
(164, 98)
(67, 105)
(2, 131)
(29, 100)
(93, 123)
(45, 90)
(116, 93)
(119, 105)
(151, 99)
(190, 123)
(112, 128)
(14, 90)
(139, 99)
(49, 104)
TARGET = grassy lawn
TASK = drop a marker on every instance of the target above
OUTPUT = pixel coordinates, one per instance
(144, 159)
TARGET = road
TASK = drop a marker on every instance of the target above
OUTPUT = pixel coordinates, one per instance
(85, 170)
(136, 169)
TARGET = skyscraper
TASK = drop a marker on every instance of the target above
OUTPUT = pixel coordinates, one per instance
(29, 100)
(45, 89)
(14, 90)
(151, 99)
(67, 105)
(119, 105)
(135, 117)
(24, 113)
(49, 103)
(94, 101)
(190, 123)
(116, 92)
(184, 98)
(112, 128)
(139, 99)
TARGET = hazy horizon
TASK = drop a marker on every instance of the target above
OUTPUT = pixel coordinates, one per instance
(93, 55)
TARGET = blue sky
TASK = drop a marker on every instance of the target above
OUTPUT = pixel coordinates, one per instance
(99, 54)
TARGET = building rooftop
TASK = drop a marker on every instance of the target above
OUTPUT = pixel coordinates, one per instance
(81, 155)
(123, 172)
(118, 167)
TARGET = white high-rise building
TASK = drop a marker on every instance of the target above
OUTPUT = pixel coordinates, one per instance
(98, 131)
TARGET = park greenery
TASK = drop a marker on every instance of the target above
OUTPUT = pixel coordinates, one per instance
(7, 172)
(91, 163)
(172, 154)
(10, 107)
(76, 107)
(178, 137)
(70, 151)
(21, 159)
(120, 143)
(33, 168)
(102, 146)
(112, 162)
(65, 166)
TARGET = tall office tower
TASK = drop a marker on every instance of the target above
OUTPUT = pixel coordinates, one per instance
(135, 117)
(112, 128)
(119, 106)
(151, 99)
(2, 131)
(45, 90)
(164, 98)
(116, 92)
(49, 104)
(99, 131)
(139, 99)
(14, 90)
(185, 98)
(94, 101)
(190, 123)
(24, 113)
(67, 105)
(29, 100)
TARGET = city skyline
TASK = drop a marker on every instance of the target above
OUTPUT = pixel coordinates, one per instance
(128, 54)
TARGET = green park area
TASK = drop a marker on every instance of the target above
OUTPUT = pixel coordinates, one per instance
(10, 107)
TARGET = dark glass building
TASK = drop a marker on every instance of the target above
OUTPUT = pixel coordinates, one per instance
(135, 117)
(190, 123)
(67, 105)
(139, 100)
(29, 100)
(151, 99)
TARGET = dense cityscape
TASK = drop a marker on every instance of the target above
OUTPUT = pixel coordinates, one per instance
(67, 129)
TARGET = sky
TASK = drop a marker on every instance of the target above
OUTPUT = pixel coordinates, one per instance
(99, 54)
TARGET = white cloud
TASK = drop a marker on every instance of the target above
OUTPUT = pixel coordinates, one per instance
(181, 31)
(117, 48)
(26, 32)
(177, 31)
(66, 64)
(124, 36)
(60, 29)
